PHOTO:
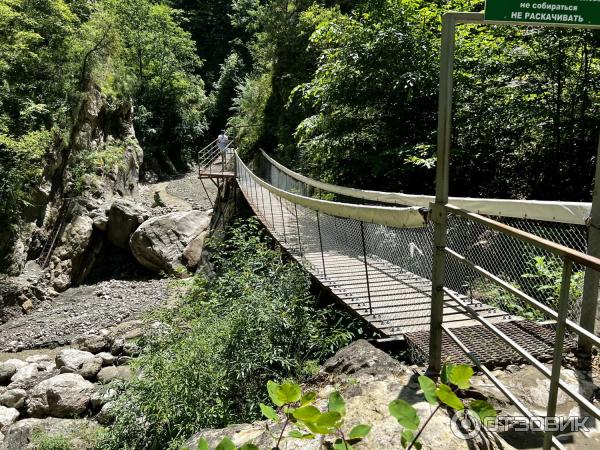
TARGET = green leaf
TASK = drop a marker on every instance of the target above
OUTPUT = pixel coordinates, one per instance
(484, 410)
(406, 437)
(202, 444)
(291, 392)
(445, 375)
(428, 387)
(308, 398)
(317, 429)
(328, 419)
(249, 447)
(405, 414)
(337, 403)
(283, 394)
(339, 444)
(273, 390)
(446, 396)
(299, 435)
(461, 376)
(269, 412)
(226, 444)
(359, 432)
(309, 413)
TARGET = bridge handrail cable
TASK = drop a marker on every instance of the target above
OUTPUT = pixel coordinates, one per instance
(575, 213)
(410, 217)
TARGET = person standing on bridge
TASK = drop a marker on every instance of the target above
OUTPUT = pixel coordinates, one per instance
(222, 143)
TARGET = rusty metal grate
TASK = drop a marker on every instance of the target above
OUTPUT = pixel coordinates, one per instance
(537, 339)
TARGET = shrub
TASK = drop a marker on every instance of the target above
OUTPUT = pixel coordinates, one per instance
(207, 364)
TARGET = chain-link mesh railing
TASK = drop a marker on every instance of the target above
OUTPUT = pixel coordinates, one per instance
(535, 271)
(380, 272)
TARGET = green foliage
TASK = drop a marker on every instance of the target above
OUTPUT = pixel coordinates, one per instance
(493, 295)
(547, 274)
(308, 420)
(453, 379)
(255, 320)
(42, 441)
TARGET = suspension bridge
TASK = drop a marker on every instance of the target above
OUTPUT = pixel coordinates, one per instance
(512, 271)
(373, 252)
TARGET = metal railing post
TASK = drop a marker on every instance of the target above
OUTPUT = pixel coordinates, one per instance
(589, 302)
(364, 249)
(561, 325)
(321, 244)
(440, 217)
(298, 228)
(272, 215)
(282, 220)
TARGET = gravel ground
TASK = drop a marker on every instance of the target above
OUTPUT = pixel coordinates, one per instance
(115, 297)
(82, 310)
(189, 188)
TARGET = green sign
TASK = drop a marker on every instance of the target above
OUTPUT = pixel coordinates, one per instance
(571, 13)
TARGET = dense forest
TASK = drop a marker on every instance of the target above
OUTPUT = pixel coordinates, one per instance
(345, 91)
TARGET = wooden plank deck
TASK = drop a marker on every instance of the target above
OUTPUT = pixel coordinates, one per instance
(400, 300)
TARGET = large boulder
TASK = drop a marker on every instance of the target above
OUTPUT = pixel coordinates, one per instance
(13, 398)
(20, 435)
(124, 217)
(64, 395)
(160, 243)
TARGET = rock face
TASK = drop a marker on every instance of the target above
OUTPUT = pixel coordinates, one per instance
(369, 380)
(160, 243)
(64, 395)
(99, 126)
(124, 218)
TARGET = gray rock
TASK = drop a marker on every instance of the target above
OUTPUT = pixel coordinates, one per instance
(64, 395)
(7, 370)
(90, 368)
(160, 242)
(19, 435)
(68, 255)
(8, 416)
(26, 372)
(131, 349)
(124, 218)
(72, 360)
(108, 359)
(13, 398)
(108, 374)
(93, 344)
(106, 415)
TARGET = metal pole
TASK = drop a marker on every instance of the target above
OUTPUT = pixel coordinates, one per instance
(321, 244)
(589, 303)
(561, 325)
(282, 220)
(272, 215)
(298, 228)
(364, 248)
(440, 217)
